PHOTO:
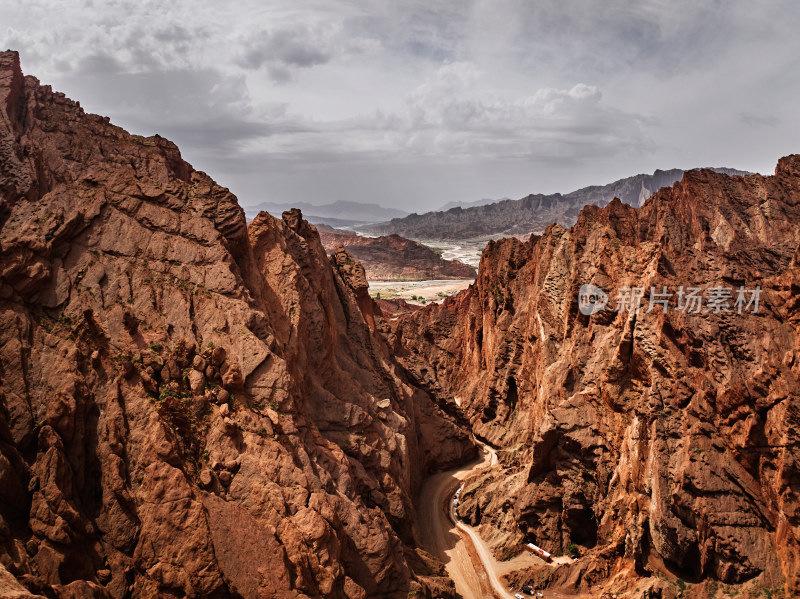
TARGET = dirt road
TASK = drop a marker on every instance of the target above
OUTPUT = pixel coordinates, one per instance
(468, 559)
(439, 535)
(458, 545)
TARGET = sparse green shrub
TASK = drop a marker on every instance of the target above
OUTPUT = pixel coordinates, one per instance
(572, 550)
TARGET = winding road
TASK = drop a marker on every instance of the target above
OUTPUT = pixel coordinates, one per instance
(468, 559)
(459, 546)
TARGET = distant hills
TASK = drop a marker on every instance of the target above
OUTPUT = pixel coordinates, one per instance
(530, 214)
(336, 214)
(482, 202)
(393, 258)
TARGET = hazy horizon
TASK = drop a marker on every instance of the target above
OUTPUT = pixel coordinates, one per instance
(413, 106)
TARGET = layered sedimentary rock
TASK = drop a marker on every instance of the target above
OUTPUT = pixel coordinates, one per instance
(653, 443)
(392, 258)
(188, 406)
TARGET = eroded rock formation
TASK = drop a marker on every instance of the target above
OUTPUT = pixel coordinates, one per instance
(188, 406)
(193, 407)
(391, 257)
(655, 443)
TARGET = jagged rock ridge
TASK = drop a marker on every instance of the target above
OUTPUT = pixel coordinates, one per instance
(339, 213)
(661, 444)
(188, 406)
(531, 214)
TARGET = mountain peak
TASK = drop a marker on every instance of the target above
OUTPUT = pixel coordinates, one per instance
(11, 82)
(788, 165)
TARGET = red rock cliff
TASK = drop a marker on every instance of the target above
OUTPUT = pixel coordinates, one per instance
(660, 444)
(188, 407)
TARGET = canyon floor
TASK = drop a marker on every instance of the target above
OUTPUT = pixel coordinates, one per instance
(467, 251)
(469, 561)
(418, 292)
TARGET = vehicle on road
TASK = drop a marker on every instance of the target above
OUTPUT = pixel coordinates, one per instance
(545, 555)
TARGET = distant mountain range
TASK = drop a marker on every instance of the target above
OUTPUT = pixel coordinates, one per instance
(459, 204)
(336, 214)
(530, 214)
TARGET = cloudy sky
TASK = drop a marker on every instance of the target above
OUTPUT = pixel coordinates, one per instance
(416, 103)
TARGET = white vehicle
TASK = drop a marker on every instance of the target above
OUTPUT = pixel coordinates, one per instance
(518, 596)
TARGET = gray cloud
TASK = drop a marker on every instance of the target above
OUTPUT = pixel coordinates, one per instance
(295, 47)
(284, 50)
(758, 120)
(202, 108)
(419, 103)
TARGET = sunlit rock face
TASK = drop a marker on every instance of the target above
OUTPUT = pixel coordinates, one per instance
(656, 442)
(188, 406)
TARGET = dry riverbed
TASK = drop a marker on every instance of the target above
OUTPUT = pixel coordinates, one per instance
(418, 292)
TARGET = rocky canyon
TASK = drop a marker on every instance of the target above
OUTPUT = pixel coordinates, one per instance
(195, 406)
(190, 406)
(658, 445)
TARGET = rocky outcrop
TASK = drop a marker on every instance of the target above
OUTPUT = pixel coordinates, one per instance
(396, 306)
(188, 406)
(393, 258)
(650, 443)
(531, 214)
(338, 213)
